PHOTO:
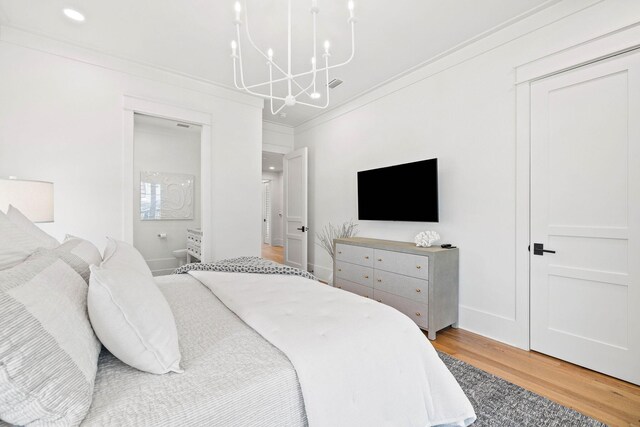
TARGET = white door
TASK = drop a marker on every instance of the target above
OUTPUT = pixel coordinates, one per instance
(585, 206)
(295, 208)
(266, 212)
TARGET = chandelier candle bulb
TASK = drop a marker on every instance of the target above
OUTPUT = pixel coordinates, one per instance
(327, 45)
(238, 9)
(234, 48)
(270, 54)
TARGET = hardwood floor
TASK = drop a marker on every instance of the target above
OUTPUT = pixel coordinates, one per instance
(273, 253)
(612, 401)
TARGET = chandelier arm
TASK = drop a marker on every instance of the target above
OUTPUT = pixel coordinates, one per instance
(246, 27)
(315, 47)
(235, 78)
(244, 87)
(286, 78)
(305, 90)
(289, 73)
(326, 102)
(271, 87)
(266, 83)
(353, 52)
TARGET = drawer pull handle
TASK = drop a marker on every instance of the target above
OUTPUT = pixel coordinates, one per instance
(379, 300)
(339, 287)
(366, 257)
(418, 313)
(339, 252)
(380, 259)
(366, 277)
(418, 267)
(339, 269)
(418, 290)
(379, 280)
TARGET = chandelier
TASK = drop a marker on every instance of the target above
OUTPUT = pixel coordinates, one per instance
(301, 87)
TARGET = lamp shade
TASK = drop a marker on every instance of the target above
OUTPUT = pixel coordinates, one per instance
(33, 198)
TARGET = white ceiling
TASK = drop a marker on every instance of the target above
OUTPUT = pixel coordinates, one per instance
(193, 37)
(272, 162)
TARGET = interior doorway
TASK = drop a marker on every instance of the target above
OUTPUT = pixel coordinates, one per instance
(167, 189)
(272, 206)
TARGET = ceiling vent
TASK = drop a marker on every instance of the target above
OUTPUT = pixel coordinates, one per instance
(183, 125)
(335, 83)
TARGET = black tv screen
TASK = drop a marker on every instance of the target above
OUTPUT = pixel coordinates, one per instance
(407, 192)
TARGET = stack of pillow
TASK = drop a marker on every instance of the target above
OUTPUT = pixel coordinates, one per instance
(52, 323)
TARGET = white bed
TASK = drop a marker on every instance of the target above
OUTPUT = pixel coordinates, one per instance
(234, 375)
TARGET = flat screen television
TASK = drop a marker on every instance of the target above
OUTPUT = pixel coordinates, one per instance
(407, 192)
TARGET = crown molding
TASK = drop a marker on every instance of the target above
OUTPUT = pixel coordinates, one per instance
(614, 43)
(540, 17)
(277, 127)
(64, 49)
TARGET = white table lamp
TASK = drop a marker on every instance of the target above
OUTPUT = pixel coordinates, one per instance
(33, 198)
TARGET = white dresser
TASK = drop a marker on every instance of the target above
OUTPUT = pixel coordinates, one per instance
(194, 244)
(420, 282)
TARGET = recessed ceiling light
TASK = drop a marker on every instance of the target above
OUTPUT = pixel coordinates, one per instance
(73, 14)
(271, 167)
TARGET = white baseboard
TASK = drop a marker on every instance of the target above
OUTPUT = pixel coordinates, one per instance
(162, 266)
(494, 326)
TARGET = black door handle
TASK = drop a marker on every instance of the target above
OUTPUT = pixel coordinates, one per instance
(538, 249)
(303, 228)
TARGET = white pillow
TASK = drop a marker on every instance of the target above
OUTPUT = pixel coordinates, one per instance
(119, 254)
(133, 320)
(79, 254)
(49, 353)
(15, 244)
(25, 224)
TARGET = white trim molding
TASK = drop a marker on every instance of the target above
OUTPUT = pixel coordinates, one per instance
(605, 46)
(28, 39)
(133, 105)
(596, 49)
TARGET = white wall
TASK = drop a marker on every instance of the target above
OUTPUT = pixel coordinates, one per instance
(462, 110)
(277, 207)
(277, 138)
(61, 120)
(161, 149)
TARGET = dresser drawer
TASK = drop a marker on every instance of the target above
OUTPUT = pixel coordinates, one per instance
(416, 311)
(404, 286)
(402, 263)
(363, 291)
(354, 254)
(355, 273)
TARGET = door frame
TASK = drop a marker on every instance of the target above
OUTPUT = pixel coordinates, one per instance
(612, 44)
(133, 105)
(266, 195)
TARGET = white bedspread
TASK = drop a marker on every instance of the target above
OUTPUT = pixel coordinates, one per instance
(359, 362)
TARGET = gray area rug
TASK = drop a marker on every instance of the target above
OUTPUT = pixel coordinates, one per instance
(500, 403)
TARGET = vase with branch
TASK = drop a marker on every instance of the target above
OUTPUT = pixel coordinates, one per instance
(331, 232)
